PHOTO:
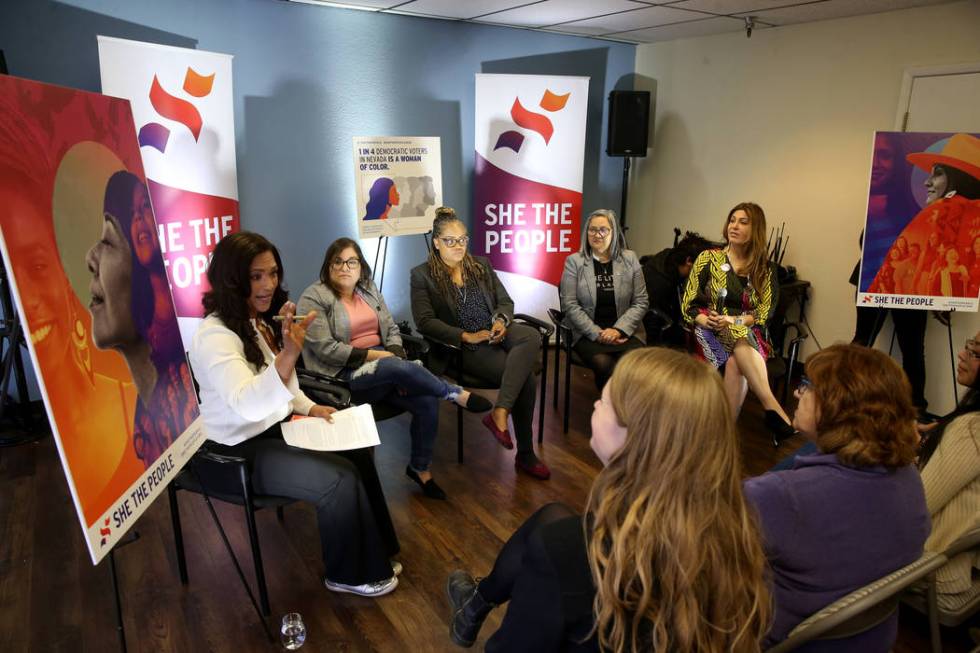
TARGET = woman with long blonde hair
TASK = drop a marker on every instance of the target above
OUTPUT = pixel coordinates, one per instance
(667, 556)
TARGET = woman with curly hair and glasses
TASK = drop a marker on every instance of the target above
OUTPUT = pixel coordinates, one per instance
(458, 299)
(855, 510)
(667, 557)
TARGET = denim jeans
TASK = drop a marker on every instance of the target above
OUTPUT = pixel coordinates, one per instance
(409, 387)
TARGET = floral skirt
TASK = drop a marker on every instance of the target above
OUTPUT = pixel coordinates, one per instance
(715, 347)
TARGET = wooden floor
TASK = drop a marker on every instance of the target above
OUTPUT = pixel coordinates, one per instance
(53, 599)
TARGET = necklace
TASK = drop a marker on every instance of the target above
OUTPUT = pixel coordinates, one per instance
(462, 292)
(267, 334)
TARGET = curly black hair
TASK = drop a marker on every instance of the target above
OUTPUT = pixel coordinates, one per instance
(231, 286)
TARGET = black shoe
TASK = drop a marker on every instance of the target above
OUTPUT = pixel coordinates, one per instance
(469, 609)
(779, 428)
(478, 403)
(429, 488)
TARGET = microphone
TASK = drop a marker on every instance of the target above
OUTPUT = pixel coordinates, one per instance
(720, 303)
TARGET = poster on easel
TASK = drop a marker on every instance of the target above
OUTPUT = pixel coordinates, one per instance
(529, 165)
(184, 115)
(921, 246)
(79, 241)
(398, 184)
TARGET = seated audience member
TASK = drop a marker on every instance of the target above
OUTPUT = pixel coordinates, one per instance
(356, 339)
(666, 274)
(603, 295)
(667, 556)
(731, 294)
(245, 365)
(457, 298)
(950, 464)
(855, 511)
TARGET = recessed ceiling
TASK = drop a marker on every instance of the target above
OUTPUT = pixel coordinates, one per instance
(631, 21)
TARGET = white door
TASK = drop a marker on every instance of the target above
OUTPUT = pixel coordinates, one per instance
(942, 100)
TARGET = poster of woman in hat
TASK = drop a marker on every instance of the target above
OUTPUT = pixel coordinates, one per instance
(930, 258)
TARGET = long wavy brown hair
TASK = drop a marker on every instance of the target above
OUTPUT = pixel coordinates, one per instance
(758, 255)
(440, 271)
(675, 553)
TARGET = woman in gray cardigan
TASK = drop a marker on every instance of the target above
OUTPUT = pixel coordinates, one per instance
(603, 295)
(357, 340)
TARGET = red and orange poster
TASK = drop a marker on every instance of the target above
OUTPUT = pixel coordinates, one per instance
(81, 248)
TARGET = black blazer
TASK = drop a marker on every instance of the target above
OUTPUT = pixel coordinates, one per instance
(435, 312)
(550, 608)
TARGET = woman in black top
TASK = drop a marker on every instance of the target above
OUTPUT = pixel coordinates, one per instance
(458, 299)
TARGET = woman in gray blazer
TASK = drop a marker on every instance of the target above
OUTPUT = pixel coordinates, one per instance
(356, 339)
(603, 295)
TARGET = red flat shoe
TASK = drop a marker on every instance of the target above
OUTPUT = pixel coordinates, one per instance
(503, 437)
(538, 470)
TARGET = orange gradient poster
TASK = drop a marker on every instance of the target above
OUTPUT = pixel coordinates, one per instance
(80, 245)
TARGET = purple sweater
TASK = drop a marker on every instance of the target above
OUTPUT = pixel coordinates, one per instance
(829, 529)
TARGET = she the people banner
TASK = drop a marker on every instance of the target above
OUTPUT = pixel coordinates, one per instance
(398, 183)
(527, 186)
(80, 244)
(922, 234)
(182, 106)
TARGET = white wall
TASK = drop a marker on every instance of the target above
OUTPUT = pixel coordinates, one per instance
(786, 119)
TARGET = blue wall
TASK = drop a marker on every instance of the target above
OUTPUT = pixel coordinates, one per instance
(307, 79)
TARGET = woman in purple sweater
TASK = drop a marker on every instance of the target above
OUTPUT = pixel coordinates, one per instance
(855, 510)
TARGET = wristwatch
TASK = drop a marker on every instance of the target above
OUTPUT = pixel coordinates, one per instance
(739, 321)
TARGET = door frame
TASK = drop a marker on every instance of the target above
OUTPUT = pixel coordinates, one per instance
(909, 77)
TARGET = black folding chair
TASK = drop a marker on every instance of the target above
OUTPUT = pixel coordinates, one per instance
(228, 479)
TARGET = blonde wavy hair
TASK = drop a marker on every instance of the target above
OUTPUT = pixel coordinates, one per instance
(676, 555)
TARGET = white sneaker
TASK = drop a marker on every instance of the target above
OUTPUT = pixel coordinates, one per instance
(379, 588)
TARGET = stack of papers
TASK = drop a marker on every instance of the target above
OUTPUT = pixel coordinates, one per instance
(351, 428)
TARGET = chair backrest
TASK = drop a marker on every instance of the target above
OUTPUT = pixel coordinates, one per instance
(862, 609)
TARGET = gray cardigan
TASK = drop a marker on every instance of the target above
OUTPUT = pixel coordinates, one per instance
(578, 294)
(327, 348)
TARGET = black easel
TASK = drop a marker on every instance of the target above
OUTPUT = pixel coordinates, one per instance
(129, 538)
(384, 257)
(12, 368)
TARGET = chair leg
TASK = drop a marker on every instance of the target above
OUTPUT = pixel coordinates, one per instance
(253, 536)
(543, 380)
(794, 352)
(178, 533)
(459, 435)
(568, 388)
(935, 633)
(557, 365)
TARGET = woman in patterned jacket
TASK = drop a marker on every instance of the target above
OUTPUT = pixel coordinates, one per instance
(730, 296)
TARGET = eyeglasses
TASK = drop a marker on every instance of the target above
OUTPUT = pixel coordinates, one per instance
(971, 345)
(601, 232)
(805, 384)
(450, 241)
(350, 264)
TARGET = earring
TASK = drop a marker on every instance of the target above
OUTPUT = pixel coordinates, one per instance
(80, 348)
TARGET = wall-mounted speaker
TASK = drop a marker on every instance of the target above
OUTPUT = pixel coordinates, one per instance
(3, 64)
(629, 121)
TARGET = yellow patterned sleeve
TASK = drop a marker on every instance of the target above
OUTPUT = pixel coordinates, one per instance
(693, 289)
(765, 300)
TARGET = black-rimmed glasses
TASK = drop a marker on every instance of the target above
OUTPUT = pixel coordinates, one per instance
(350, 264)
(601, 232)
(451, 241)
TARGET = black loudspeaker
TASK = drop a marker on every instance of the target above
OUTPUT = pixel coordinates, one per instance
(629, 121)
(3, 64)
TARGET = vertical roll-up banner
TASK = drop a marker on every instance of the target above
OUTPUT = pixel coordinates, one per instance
(184, 118)
(527, 187)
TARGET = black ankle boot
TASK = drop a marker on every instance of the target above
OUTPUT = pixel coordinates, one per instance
(779, 428)
(469, 609)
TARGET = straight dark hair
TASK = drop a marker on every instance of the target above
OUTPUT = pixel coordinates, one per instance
(118, 203)
(231, 286)
(963, 183)
(333, 251)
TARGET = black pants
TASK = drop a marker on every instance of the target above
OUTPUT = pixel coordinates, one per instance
(602, 358)
(356, 534)
(498, 585)
(511, 365)
(910, 330)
